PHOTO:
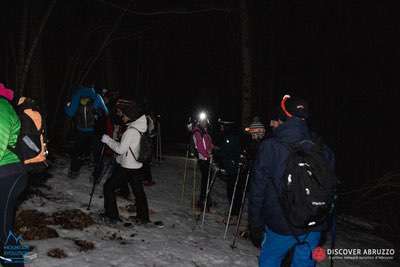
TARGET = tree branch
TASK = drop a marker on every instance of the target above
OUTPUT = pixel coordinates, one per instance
(167, 12)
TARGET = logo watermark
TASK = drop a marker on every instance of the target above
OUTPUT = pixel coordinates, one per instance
(320, 254)
(14, 251)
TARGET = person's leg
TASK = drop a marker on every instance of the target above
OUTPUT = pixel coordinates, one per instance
(274, 248)
(203, 166)
(116, 180)
(79, 149)
(148, 177)
(12, 186)
(302, 253)
(239, 194)
(135, 180)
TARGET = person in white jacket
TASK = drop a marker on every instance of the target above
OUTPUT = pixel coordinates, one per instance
(129, 170)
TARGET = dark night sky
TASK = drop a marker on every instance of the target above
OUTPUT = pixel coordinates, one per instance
(340, 55)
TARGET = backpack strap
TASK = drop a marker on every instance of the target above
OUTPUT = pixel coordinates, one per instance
(133, 154)
(141, 134)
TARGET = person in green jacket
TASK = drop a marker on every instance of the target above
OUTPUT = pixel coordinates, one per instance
(12, 175)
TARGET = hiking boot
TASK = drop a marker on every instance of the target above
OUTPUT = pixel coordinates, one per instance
(139, 221)
(148, 183)
(73, 174)
(110, 220)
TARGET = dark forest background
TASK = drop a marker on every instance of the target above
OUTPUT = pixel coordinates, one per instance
(342, 56)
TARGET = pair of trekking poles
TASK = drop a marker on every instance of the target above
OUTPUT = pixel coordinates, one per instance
(210, 183)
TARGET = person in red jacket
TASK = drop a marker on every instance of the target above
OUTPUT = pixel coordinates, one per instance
(204, 146)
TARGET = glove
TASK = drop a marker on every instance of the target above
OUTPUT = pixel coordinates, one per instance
(105, 139)
(256, 236)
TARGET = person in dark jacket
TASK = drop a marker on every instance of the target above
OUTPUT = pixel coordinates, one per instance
(86, 108)
(268, 226)
(228, 156)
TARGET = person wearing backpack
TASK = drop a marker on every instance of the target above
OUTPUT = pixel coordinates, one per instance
(131, 153)
(85, 109)
(287, 164)
(12, 175)
(31, 146)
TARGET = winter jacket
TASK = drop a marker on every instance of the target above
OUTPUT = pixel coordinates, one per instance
(130, 139)
(84, 92)
(264, 208)
(203, 143)
(9, 131)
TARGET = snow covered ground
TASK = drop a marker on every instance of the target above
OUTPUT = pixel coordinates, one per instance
(182, 242)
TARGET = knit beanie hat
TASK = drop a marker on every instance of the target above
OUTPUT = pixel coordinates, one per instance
(294, 107)
(256, 125)
(133, 111)
(6, 92)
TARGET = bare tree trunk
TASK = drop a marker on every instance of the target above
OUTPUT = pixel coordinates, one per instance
(29, 56)
(22, 36)
(247, 78)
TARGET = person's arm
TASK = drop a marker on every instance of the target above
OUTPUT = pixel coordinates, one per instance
(71, 109)
(4, 135)
(130, 138)
(99, 104)
(9, 132)
(258, 184)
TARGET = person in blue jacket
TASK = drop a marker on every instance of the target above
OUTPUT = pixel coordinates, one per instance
(85, 109)
(268, 226)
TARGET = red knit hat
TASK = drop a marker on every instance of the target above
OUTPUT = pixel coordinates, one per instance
(6, 92)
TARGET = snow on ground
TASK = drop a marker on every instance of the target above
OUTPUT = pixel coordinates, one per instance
(182, 242)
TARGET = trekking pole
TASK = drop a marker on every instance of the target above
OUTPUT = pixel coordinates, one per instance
(159, 142)
(97, 174)
(207, 191)
(233, 199)
(184, 175)
(241, 210)
(194, 189)
(156, 147)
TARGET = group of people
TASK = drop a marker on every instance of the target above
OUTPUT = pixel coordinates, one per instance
(107, 124)
(266, 157)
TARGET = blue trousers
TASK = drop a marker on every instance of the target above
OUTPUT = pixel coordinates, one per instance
(275, 247)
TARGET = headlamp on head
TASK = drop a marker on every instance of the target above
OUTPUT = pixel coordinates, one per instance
(202, 116)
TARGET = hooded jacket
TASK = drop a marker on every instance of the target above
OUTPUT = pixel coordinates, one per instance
(9, 131)
(84, 92)
(203, 143)
(130, 139)
(264, 207)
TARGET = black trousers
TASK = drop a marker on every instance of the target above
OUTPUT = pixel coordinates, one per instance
(13, 181)
(204, 166)
(230, 187)
(147, 172)
(120, 177)
(84, 146)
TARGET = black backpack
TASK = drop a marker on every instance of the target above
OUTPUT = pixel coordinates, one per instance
(146, 148)
(29, 144)
(308, 186)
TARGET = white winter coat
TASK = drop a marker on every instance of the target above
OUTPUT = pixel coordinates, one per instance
(130, 139)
